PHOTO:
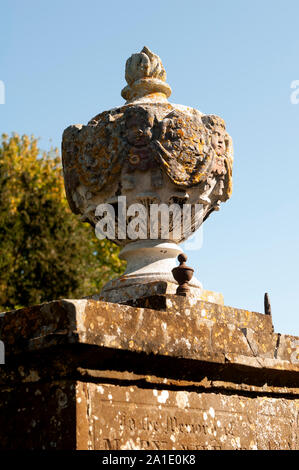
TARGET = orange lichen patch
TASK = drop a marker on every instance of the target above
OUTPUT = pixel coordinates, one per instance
(180, 146)
(116, 169)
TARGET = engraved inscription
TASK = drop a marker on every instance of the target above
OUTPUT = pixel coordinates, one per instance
(132, 418)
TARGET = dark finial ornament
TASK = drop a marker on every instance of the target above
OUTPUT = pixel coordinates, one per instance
(182, 274)
(267, 304)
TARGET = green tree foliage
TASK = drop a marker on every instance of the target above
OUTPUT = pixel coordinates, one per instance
(46, 252)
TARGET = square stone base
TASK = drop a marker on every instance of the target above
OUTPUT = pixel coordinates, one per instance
(82, 374)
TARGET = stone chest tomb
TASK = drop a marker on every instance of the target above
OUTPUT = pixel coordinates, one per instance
(138, 366)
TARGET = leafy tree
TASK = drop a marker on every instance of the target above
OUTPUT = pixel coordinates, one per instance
(46, 253)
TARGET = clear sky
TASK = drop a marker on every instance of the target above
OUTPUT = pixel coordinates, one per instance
(63, 61)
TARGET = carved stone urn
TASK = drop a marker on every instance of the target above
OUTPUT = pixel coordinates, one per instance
(146, 175)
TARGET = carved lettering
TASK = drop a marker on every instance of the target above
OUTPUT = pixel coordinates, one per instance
(173, 425)
(212, 425)
(127, 422)
(145, 445)
(150, 425)
(199, 447)
(160, 445)
(111, 444)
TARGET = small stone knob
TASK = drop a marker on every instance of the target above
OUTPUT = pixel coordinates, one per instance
(182, 274)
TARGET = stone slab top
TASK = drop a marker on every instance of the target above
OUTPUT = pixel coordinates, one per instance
(196, 330)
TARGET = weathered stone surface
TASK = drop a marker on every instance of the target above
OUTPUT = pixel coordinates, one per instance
(177, 330)
(87, 374)
(118, 291)
(140, 149)
(145, 76)
(156, 419)
(176, 150)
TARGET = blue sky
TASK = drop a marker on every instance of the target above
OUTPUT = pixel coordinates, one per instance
(63, 61)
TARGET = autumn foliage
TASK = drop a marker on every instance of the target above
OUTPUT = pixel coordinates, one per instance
(46, 252)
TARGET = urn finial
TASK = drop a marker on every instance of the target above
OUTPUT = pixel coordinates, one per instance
(182, 274)
(145, 76)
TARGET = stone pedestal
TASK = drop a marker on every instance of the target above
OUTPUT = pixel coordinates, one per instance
(149, 271)
(179, 374)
